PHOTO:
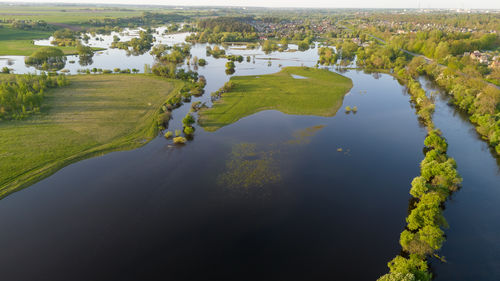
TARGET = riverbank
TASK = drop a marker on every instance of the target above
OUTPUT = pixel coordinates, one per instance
(96, 114)
(293, 90)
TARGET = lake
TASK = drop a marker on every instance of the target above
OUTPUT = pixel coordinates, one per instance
(270, 197)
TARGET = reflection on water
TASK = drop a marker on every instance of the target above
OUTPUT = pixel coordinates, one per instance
(472, 247)
(336, 193)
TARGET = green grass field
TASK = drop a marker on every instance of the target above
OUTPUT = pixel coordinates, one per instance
(67, 14)
(94, 115)
(17, 42)
(320, 94)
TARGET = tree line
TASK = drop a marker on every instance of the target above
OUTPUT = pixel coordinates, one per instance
(22, 95)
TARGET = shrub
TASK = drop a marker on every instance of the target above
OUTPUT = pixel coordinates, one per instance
(347, 108)
(168, 134)
(164, 118)
(188, 131)
(202, 62)
(177, 133)
(180, 140)
(188, 120)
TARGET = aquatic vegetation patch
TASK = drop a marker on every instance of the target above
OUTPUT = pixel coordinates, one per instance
(253, 165)
(250, 167)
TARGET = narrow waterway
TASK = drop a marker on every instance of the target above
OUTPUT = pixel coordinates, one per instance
(472, 247)
(270, 197)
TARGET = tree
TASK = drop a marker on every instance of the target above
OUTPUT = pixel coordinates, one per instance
(188, 120)
(189, 130)
(414, 265)
(427, 212)
(435, 141)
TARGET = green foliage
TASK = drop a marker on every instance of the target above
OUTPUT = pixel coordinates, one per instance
(47, 58)
(180, 140)
(268, 46)
(168, 134)
(65, 37)
(223, 29)
(427, 212)
(320, 94)
(397, 276)
(189, 130)
(188, 120)
(413, 265)
(73, 129)
(216, 52)
(435, 141)
(23, 95)
(419, 187)
(327, 56)
(136, 46)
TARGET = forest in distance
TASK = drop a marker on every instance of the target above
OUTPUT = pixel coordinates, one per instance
(251, 101)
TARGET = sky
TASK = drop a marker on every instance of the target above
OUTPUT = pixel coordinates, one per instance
(467, 4)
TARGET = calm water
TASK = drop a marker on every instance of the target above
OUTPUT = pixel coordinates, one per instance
(269, 197)
(472, 248)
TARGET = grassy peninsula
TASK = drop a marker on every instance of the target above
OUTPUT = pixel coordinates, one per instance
(95, 114)
(311, 92)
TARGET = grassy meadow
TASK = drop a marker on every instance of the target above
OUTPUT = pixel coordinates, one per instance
(64, 14)
(320, 93)
(17, 42)
(95, 114)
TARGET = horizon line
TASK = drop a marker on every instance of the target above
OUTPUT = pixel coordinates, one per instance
(21, 2)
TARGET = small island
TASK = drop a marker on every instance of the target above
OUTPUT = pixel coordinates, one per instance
(318, 92)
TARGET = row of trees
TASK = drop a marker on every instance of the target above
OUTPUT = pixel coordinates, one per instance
(463, 79)
(472, 95)
(190, 88)
(438, 178)
(23, 94)
(146, 19)
(223, 29)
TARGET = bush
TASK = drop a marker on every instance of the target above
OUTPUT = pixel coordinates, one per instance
(188, 120)
(202, 62)
(168, 134)
(180, 140)
(347, 108)
(177, 133)
(188, 131)
(164, 118)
